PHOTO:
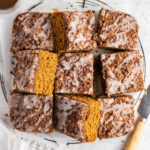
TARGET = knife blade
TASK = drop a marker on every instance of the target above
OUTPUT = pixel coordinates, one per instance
(144, 108)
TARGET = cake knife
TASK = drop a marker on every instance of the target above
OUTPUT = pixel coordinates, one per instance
(144, 111)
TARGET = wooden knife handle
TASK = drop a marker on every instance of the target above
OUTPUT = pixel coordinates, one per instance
(136, 135)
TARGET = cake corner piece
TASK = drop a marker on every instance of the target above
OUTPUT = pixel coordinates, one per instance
(32, 30)
(31, 113)
(117, 30)
(117, 116)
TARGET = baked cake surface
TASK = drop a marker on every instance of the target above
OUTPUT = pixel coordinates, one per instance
(32, 113)
(74, 30)
(74, 73)
(77, 117)
(117, 30)
(117, 116)
(32, 30)
(122, 72)
(34, 71)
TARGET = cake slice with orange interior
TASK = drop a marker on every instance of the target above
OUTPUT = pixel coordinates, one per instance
(77, 116)
(34, 71)
(73, 30)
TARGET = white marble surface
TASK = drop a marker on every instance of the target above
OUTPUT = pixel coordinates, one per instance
(141, 10)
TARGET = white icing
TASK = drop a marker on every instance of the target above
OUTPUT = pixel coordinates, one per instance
(77, 35)
(71, 84)
(113, 84)
(79, 38)
(129, 58)
(66, 106)
(120, 29)
(37, 31)
(67, 65)
(25, 71)
(118, 111)
(46, 108)
(109, 60)
(32, 102)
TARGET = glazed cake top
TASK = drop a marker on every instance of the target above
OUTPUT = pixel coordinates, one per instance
(80, 30)
(117, 30)
(31, 113)
(70, 116)
(32, 30)
(25, 66)
(122, 72)
(74, 73)
(117, 116)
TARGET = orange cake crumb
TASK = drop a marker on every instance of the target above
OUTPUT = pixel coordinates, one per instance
(58, 28)
(46, 73)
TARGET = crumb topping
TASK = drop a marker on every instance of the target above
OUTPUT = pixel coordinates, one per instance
(32, 31)
(117, 30)
(74, 73)
(25, 66)
(80, 32)
(122, 72)
(70, 116)
(117, 116)
(31, 113)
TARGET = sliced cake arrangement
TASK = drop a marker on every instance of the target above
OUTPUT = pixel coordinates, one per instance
(53, 73)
